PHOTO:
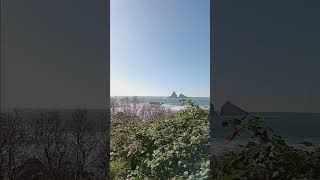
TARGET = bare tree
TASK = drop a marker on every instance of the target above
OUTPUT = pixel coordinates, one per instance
(52, 145)
(102, 157)
(84, 141)
(154, 112)
(114, 104)
(12, 138)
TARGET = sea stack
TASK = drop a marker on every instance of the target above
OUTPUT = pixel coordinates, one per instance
(229, 109)
(182, 96)
(173, 95)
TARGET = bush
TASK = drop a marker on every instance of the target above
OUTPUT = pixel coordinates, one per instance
(266, 155)
(173, 147)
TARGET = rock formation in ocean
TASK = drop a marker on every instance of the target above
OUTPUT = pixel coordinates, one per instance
(182, 96)
(173, 95)
(229, 109)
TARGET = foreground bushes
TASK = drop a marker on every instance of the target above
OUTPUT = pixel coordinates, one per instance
(266, 155)
(173, 147)
(160, 144)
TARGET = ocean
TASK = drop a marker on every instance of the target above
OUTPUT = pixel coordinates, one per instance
(201, 101)
(295, 128)
(288, 125)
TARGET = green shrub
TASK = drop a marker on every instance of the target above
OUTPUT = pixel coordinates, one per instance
(170, 148)
(266, 155)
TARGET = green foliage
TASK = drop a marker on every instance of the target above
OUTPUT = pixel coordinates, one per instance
(177, 147)
(266, 156)
(172, 148)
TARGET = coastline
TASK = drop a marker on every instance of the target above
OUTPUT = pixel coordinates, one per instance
(219, 146)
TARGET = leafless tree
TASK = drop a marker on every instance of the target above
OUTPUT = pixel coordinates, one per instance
(102, 157)
(11, 140)
(154, 112)
(52, 144)
(114, 104)
(84, 142)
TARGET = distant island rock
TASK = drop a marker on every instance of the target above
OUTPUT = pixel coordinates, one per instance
(229, 109)
(173, 95)
(182, 96)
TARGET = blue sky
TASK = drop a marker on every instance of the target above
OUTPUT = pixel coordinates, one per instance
(160, 46)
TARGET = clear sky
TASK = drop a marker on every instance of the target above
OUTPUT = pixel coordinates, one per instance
(53, 54)
(160, 46)
(268, 55)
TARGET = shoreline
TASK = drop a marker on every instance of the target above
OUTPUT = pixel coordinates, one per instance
(157, 104)
(219, 146)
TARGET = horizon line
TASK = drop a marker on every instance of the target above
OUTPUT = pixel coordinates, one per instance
(157, 96)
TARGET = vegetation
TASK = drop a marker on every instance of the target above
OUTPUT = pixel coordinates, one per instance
(174, 146)
(177, 147)
(44, 148)
(266, 155)
(147, 142)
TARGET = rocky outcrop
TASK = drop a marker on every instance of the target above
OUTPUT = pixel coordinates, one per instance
(173, 95)
(229, 109)
(182, 96)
